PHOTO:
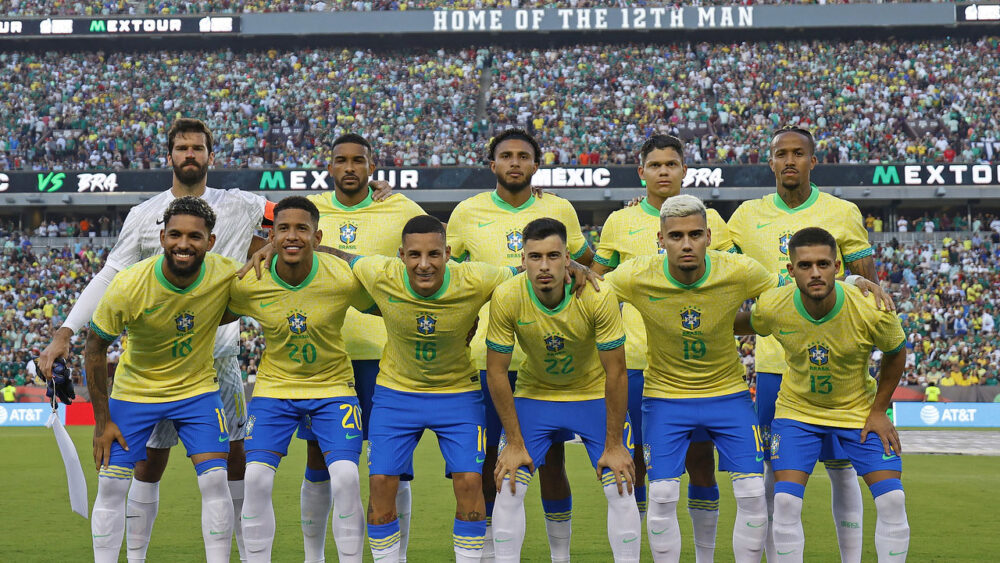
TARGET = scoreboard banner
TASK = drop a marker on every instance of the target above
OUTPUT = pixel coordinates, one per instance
(28, 414)
(962, 415)
(977, 13)
(478, 178)
(118, 26)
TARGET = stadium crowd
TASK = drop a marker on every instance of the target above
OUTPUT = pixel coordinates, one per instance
(587, 104)
(948, 297)
(64, 7)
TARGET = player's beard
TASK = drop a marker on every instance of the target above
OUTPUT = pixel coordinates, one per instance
(190, 177)
(515, 187)
(351, 192)
(182, 272)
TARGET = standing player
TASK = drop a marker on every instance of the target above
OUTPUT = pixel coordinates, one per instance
(488, 227)
(171, 306)
(827, 330)
(427, 380)
(572, 380)
(631, 232)
(305, 371)
(761, 229)
(353, 223)
(688, 300)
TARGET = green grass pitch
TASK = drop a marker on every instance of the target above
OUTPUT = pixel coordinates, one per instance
(948, 502)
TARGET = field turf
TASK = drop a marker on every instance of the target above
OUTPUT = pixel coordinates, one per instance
(950, 503)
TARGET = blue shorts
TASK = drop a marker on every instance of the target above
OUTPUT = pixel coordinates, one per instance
(636, 381)
(399, 418)
(493, 425)
(797, 445)
(365, 372)
(542, 422)
(729, 420)
(200, 422)
(336, 423)
(768, 385)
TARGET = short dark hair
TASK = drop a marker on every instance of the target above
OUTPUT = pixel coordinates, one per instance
(190, 205)
(514, 133)
(812, 236)
(188, 125)
(543, 228)
(352, 138)
(661, 142)
(298, 202)
(793, 129)
(423, 224)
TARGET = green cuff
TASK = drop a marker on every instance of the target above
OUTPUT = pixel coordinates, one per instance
(101, 333)
(499, 347)
(606, 346)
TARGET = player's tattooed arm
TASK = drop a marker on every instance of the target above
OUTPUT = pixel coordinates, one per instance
(864, 267)
(345, 256)
(616, 457)
(105, 430)
(878, 422)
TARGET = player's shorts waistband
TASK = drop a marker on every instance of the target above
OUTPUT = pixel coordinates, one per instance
(739, 395)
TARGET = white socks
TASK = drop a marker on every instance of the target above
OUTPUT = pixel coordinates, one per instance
(107, 521)
(216, 513)
(892, 531)
(703, 507)
(789, 539)
(140, 514)
(751, 519)
(315, 502)
(624, 523)
(769, 499)
(258, 512)
(661, 520)
(404, 504)
(508, 519)
(236, 491)
(349, 517)
(848, 509)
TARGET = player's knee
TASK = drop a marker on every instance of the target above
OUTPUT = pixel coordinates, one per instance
(314, 456)
(664, 491)
(344, 476)
(890, 501)
(103, 526)
(151, 469)
(700, 464)
(748, 487)
(467, 484)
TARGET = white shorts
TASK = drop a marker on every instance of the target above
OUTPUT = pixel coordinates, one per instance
(233, 399)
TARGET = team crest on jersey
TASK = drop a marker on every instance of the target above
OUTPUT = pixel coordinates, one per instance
(554, 343)
(297, 322)
(690, 318)
(515, 241)
(184, 321)
(783, 242)
(250, 422)
(426, 323)
(348, 233)
(819, 354)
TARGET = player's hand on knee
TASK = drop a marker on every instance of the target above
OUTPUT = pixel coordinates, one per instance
(617, 460)
(513, 457)
(102, 443)
(262, 256)
(879, 424)
(381, 190)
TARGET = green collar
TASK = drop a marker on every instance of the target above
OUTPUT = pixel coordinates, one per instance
(277, 279)
(813, 196)
(649, 209)
(666, 272)
(364, 203)
(508, 207)
(438, 293)
(166, 283)
(833, 312)
(567, 296)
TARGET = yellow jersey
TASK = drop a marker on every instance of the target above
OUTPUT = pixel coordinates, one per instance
(171, 331)
(427, 350)
(305, 357)
(561, 344)
(827, 382)
(485, 228)
(631, 232)
(365, 229)
(693, 352)
(760, 229)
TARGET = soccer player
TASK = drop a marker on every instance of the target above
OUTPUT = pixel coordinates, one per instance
(827, 329)
(427, 380)
(688, 299)
(352, 222)
(572, 380)
(488, 227)
(305, 371)
(761, 228)
(171, 306)
(631, 232)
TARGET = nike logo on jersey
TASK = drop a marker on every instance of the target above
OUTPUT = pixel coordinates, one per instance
(223, 439)
(762, 225)
(631, 232)
(153, 309)
(655, 299)
(264, 304)
(481, 225)
(888, 457)
(394, 300)
(760, 457)
(522, 323)
(352, 436)
(480, 458)
(784, 332)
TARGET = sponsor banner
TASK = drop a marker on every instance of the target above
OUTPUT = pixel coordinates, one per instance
(28, 414)
(969, 415)
(975, 13)
(118, 26)
(479, 178)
